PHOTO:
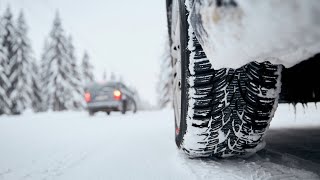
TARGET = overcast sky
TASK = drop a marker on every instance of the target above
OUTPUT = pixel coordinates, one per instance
(126, 37)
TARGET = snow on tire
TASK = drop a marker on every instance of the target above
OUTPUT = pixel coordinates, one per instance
(223, 112)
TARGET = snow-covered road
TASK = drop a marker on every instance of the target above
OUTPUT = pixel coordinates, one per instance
(72, 145)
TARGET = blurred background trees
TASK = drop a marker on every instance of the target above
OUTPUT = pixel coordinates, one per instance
(56, 83)
(60, 74)
(87, 69)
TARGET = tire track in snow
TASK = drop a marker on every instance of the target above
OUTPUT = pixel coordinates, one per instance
(287, 165)
(204, 168)
(3, 173)
(262, 166)
(54, 166)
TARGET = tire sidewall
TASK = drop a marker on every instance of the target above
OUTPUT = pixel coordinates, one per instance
(184, 72)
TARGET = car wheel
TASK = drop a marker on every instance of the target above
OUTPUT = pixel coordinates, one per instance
(91, 112)
(124, 107)
(134, 107)
(218, 112)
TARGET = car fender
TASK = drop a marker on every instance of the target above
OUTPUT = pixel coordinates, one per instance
(235, 32)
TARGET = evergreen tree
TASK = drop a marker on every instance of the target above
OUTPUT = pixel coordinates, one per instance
(87, 69)
(121, 79)
(104, 76)
(43, 71)
(57, 70)
(11, 63)
(23, 56)
(78, 101)
(112, 77)
(37, 102)
(5, 102)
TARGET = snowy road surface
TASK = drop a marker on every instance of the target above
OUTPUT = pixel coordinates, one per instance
(72, 145)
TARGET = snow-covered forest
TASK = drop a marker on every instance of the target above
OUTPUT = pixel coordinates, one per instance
(54, 81)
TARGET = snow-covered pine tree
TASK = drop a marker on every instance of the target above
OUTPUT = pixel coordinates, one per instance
(23, 56)
(30, 90)
(57, 70)
(104, 75)
(87, 69)
(43, 71)
(113, 77)
(5, 102)
(36, 103)
(78, 89)
(121, 79)
(12, 64)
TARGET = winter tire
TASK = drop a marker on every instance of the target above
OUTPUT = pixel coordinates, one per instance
(134, 107)
(124, 107)
(91, 112)
(218, 112)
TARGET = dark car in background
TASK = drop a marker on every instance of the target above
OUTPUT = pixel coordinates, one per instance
(111, 96)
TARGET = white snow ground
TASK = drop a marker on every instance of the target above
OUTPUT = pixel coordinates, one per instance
(72, 145)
